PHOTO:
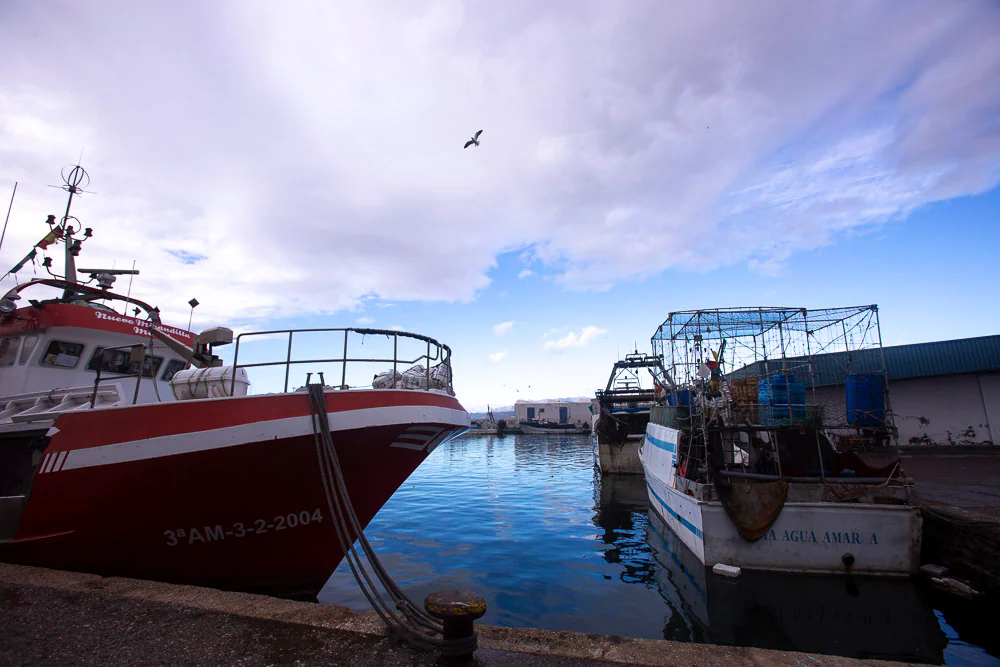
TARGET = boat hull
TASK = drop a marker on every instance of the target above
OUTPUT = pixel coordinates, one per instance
(552, 429)
(854, 617)
(225, 493)
(618, 459)
(819, 537)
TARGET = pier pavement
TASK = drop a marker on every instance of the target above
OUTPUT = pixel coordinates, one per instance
(49, 617)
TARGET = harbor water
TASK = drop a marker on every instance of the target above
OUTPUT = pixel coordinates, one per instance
(526, 522)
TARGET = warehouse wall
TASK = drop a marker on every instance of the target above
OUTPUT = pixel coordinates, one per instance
(941, 410)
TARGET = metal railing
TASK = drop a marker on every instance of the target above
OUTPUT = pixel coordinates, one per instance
(436, 353)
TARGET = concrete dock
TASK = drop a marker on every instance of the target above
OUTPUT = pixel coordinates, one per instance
(959, 492)
(65, 618)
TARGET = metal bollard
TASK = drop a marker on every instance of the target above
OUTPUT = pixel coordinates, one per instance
(458, 610)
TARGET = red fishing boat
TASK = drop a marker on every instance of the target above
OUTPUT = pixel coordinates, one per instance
(127, 447)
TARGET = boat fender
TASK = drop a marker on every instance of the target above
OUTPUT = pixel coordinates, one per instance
(731, 571)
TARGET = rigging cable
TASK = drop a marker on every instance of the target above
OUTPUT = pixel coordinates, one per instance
(129, 292)
(11, 206)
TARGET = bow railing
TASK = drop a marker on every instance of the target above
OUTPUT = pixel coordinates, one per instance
(425, 363)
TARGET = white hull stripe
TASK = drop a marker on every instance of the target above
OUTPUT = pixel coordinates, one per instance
(232, 436)
(419, 437)
(417, 441)
(433, 430)
(444, 436)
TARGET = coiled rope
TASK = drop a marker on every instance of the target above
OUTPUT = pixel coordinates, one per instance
(400, 615)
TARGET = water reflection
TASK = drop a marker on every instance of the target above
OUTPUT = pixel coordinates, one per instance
(525, 521)
(620, 513)
(860, 617)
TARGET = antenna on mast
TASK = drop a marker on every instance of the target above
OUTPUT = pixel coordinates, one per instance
(75, 181)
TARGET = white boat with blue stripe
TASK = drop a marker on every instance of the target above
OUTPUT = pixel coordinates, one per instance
(809, 535)
(783, 486)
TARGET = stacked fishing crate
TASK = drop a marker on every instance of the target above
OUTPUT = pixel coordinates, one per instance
(744, 393)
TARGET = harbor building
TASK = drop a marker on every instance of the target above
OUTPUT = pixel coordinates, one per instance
(574, 411)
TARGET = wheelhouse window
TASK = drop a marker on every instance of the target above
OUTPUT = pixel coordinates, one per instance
(118, 362)
(27, 349)
(62, 354)
(8, 350)
(150, 365)
(174, 366)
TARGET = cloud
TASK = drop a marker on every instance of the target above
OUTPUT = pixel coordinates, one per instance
(396, 327)
(616, 145)
(572, 339)
(497, 357)
(503, 327)
(525, 273)
(366, 320)
(554, 331)
(186, 257)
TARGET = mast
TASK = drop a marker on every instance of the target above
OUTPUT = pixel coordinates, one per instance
(72, 182)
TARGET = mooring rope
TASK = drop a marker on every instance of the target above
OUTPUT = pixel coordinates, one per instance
(401, 616)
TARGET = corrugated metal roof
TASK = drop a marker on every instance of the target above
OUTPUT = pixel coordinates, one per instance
(945, 357)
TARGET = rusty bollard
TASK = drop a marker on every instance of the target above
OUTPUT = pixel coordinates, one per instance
(458, 610)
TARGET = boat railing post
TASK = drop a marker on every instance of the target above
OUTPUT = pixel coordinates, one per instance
(97, 382)
(288, 362)
(138, 373)
(236, 359)
(343, 373)
(427, 368)
(395, 358)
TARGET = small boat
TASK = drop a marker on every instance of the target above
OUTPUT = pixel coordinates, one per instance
(128, 448)
(623, 412)
(541, 426)
(749, 473)
(489, 425)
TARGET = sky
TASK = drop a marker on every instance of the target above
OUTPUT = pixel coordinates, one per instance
(302, 165)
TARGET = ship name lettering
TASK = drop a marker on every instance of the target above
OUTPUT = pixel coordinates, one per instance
(847, 537)
(140, 327)
(829, 537)
(798, 536)
(214, 533)
(239, 529)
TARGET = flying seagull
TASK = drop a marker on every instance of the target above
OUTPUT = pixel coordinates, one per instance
(473, 140)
